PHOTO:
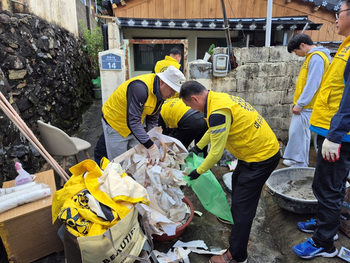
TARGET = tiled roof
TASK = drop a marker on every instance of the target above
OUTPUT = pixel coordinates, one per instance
(278, 23)
(329, 4)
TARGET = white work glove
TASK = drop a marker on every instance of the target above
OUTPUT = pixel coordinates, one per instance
(330, 151)
(153, 154)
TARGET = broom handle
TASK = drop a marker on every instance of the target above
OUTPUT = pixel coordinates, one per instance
(30, 136)
(12, 114)
(33, 140)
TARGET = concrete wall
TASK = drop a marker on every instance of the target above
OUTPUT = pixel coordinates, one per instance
(265, 78)
(60, 12)
(64, 13)
(86, 14)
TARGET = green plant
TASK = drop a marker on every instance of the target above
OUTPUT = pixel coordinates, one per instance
(93, 43)
(211, 49)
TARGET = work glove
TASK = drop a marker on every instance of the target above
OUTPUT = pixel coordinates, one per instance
(153, 154)
(330, 151)
(195, 150)
(193, 175)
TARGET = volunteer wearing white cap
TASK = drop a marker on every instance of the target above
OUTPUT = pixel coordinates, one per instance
(136, 102)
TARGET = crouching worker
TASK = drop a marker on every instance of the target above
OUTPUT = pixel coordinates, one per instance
(134, 103)
(181, 122)
(235, 125)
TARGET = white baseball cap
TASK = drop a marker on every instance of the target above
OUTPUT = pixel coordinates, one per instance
(173, 77)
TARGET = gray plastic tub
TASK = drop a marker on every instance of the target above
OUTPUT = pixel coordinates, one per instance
(291, 189)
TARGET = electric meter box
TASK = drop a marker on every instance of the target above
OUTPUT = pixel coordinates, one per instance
(220, 65)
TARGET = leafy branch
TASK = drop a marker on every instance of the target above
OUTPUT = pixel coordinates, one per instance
(93, 44)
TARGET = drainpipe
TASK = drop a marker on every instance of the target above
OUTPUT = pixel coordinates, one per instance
(268, 23)
(105, 36)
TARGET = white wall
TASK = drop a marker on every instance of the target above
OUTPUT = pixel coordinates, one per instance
(60, 12)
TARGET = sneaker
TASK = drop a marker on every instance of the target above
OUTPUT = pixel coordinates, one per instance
(308, 226)
(298, 165)
(309, 250)
(288, 162)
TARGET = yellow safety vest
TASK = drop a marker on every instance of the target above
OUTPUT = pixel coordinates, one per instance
(250, 138)
(162, 65)
(331, 91)
(172, 111)
(115, 108)
(302, 78)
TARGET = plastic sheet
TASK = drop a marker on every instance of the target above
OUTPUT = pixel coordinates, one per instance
(23, 197)
(208, 190)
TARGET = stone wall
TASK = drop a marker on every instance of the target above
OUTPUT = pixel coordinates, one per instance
(45, 75)
(266, 78)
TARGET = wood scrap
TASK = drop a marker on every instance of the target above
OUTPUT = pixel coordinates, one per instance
(24, 129)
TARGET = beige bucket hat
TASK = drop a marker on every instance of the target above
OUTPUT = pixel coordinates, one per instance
(173, 77)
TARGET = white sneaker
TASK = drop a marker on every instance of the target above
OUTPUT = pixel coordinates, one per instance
(288, 162)
(296, 165)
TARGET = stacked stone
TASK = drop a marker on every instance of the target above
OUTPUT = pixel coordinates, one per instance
(45, 75)
(266, 78)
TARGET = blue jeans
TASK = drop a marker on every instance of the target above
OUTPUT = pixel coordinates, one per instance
(247, 182)
(329, 189)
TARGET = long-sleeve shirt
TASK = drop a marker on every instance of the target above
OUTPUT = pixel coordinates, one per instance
(217, 134)
(136, 97)
(340, 124)
(314, 77)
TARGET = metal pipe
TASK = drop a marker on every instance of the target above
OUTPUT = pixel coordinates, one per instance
(305, 27)
(227, 29)
(228, 38)
(268, 23)
(25, 4)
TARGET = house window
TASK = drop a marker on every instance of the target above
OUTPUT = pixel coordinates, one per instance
(147, 55)
(203, 45)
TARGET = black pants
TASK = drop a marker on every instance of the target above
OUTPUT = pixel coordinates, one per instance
(190, 128)
(100, 149)
(329, 189)
(247, 182)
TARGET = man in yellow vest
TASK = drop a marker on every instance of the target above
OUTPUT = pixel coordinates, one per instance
(173, 59)
(181, 122)
(330, 119)
(315, 65)
(235, 125)
(136, 103)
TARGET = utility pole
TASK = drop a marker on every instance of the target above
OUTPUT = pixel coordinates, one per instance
(268, 23)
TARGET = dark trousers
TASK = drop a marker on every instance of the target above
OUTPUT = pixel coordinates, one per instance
(190, 128)
(329, 189)
(247, 182)
(100, 149)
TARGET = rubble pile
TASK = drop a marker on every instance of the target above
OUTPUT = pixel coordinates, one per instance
(45, 75)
